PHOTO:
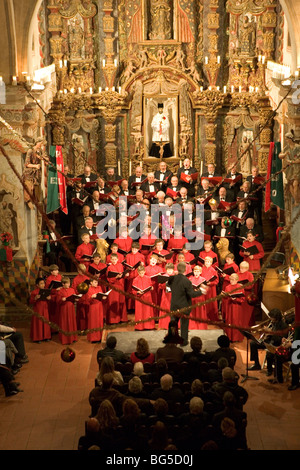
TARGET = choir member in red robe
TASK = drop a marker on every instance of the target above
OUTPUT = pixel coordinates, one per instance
(229, 268)
(189, 258)
(98, 265)
(84, 249)
(39, 330)
(94, 311)
(208, 272)
(143, 311)
(132, 259)
(178, 241)
(245, 277)
(66, 312)
(181, 259)
(151, 270)
(161, 253)
(116, 302)
(234, 313)
(124, 241)
(52, 306)
(147, 239)
(81, 304)
(114, 250)
(200, 311)
(165, 299)
(208, 251)
(252, 259)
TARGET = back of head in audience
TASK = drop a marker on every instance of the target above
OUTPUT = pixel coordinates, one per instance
(196, 405)
(138, 369)
(196, 344)
(111, 342)
(166, 382)
(135, 385)
(223, 341)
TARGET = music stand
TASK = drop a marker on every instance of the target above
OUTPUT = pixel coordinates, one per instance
(248, 336)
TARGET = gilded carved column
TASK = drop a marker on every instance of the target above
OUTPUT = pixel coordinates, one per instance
(265, 137)
(212, 63)
(210, 102)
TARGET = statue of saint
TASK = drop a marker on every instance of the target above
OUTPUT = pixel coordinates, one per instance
(76, 40)
(161, 19)
(160, 133)
(245, 154)
(32, 170)
(247, 37)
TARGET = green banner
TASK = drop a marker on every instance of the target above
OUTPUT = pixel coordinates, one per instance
(52, 187)
(277, 179)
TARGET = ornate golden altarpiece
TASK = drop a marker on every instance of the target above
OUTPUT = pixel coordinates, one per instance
(206, 60)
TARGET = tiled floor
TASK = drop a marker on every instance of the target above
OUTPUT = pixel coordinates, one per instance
(50, 413)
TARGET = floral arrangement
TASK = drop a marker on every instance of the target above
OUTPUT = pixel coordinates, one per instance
(6, 237)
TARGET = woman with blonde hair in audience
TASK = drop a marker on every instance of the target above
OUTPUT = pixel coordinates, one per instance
(107, 366)
(142, 352)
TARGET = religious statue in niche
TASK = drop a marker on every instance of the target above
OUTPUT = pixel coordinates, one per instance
(247, 37)
(160, 125)
(245, 154)
(160, 19)
(32, 170)
(76, 39)
(291, 160)
(79, 154)
(8, 218)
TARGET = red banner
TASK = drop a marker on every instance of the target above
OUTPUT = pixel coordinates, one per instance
(268, 185)
(62, 193)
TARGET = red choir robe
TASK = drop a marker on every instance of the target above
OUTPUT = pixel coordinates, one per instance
(200, 311)
(254, 264)
(226, 280)
(116, 303)
(98, 266)
(39, 330)
(124, 243)
(188, 257)
(203, 254)
(95, 317)
(81, 304)
(132, 260)
(52, 306)
(160, 262)
(155, 293)
(142, 311)
(248, 309)
(120, 258)
(66, 315)
(84, 249)
(177, 243)
(235, 313)
(165, 303)
(212, 307)
(146, 240)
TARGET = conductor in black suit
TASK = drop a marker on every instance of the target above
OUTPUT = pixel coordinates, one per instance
(182, 293)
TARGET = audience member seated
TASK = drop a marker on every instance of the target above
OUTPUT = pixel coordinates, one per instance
(161, 413)
(230, 384)
(159, 369)
(138, 371)
(142, 353)
(110, 350)
(91, 436)
(196, 421)
(238, 416)
(135, 388)
(131, 420)
(170, 352)
(159, 439)
(224, 350)
(107, 366)
(168, 391)
(108, 423)
(214, 374)
(106, 392)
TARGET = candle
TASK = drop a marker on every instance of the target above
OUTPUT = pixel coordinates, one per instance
(209, 87)
(218, 88)
(106, 89)
(240, 89)
(113, 88)
(116, 62)
(65, 91)
(14, 80)
(1, 79)
(201, 88)
(120, 89)
(60, 64)
(297, 74)
(130, 168)
(72, 90)
(225, 89)
(119, 167)
(103, 62)
(100, 89)
(218, 59)
(232, 88)
(79, 90)
(259, 58)
(263, 59)
(256, 89)
(206, 60)
(91, 90)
